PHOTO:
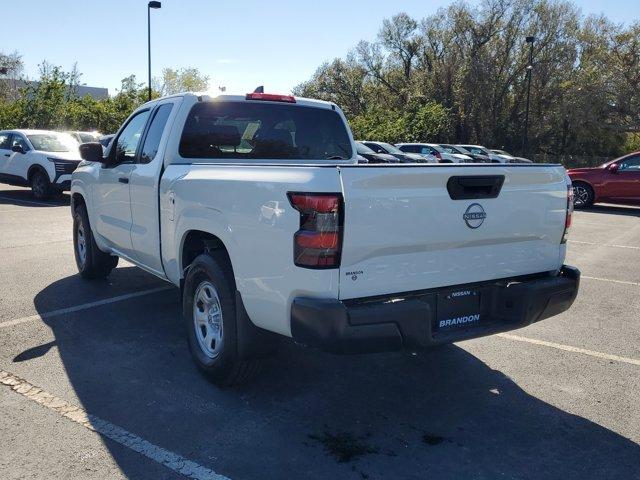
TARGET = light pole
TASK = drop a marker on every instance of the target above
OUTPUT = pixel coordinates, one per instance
(150, 5)
(526, 115)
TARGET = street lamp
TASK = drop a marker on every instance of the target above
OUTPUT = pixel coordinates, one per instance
(525, 134)
(150, 5)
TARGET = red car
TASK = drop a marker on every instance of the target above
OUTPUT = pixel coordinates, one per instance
(617, 181)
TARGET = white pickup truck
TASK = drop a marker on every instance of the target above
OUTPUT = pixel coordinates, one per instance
(256, 207)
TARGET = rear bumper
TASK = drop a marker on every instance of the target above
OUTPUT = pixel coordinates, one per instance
(408, 321)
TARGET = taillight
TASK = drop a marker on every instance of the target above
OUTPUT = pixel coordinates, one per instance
(567, 221)
(272, 97)
(318, 242)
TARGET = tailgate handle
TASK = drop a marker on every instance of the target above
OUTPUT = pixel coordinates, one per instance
(474, 186)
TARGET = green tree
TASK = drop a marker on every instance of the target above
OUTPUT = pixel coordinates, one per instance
(175, 81)
(470, 63)
(43, 102)
(11, 73)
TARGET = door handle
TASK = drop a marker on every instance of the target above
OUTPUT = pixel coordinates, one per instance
(123, 180)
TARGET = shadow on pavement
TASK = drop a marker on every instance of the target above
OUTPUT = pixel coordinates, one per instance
(23, 198)
(627, 211)
(443, 414)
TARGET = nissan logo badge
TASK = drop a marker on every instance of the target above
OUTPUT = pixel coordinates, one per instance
(474, 215)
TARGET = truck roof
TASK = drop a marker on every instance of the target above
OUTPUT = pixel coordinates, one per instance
(207, 96)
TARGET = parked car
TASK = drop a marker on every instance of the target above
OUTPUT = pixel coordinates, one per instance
(373, 157)
(354, 258)
(41, 159)
(477, 157)
(617, 181)
(432, 149)
(493, 158)
(383, 147)
(510, 158)
(84, 137)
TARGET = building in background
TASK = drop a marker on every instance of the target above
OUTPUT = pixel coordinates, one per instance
(11, 89)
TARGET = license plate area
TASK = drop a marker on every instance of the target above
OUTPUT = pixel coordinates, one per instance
(458, 310)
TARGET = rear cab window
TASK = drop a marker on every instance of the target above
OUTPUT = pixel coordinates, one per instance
(264, 131)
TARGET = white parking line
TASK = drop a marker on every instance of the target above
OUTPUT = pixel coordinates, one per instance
(623, 282)
(604, 244)
(171, 460)
(569, 348)
(84, 306)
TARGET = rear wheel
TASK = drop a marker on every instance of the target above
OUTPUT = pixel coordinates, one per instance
(582, 195)
(90, 260)
(209, 314)
(40, 185)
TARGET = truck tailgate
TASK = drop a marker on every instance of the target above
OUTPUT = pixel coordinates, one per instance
(403, 231)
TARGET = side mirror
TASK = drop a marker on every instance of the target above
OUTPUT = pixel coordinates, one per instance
(92, 152)
(613, 168)
(17, 148)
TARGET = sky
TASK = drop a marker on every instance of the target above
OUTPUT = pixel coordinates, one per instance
(238, 44)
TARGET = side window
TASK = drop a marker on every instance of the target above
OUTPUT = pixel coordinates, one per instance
(19, 140)
(375, 148)
(631, 164)
(127, 142)
(4, 141)
(152, 141)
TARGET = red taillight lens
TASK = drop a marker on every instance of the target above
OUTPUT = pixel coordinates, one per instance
(568, 218)
(318, 243)
(307, 202)
(271, 97)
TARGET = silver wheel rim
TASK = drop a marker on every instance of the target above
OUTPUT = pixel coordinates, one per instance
(207, 319)
(580, 195)
(81, 244)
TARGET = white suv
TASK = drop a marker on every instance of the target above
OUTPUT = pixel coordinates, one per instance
(41, 159)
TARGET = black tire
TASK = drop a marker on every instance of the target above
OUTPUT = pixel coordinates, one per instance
(40, 184)
(224, 367)
(583, 195)
(93, 263)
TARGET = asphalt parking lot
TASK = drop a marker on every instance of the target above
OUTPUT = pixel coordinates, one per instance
(96, 380)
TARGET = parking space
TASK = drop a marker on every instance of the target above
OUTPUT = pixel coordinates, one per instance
(558, 400)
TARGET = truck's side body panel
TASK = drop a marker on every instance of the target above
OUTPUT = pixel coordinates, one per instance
(227, 201)
(403, 232)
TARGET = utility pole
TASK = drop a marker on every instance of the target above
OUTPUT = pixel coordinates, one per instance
(525, 134)
(150, 5)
